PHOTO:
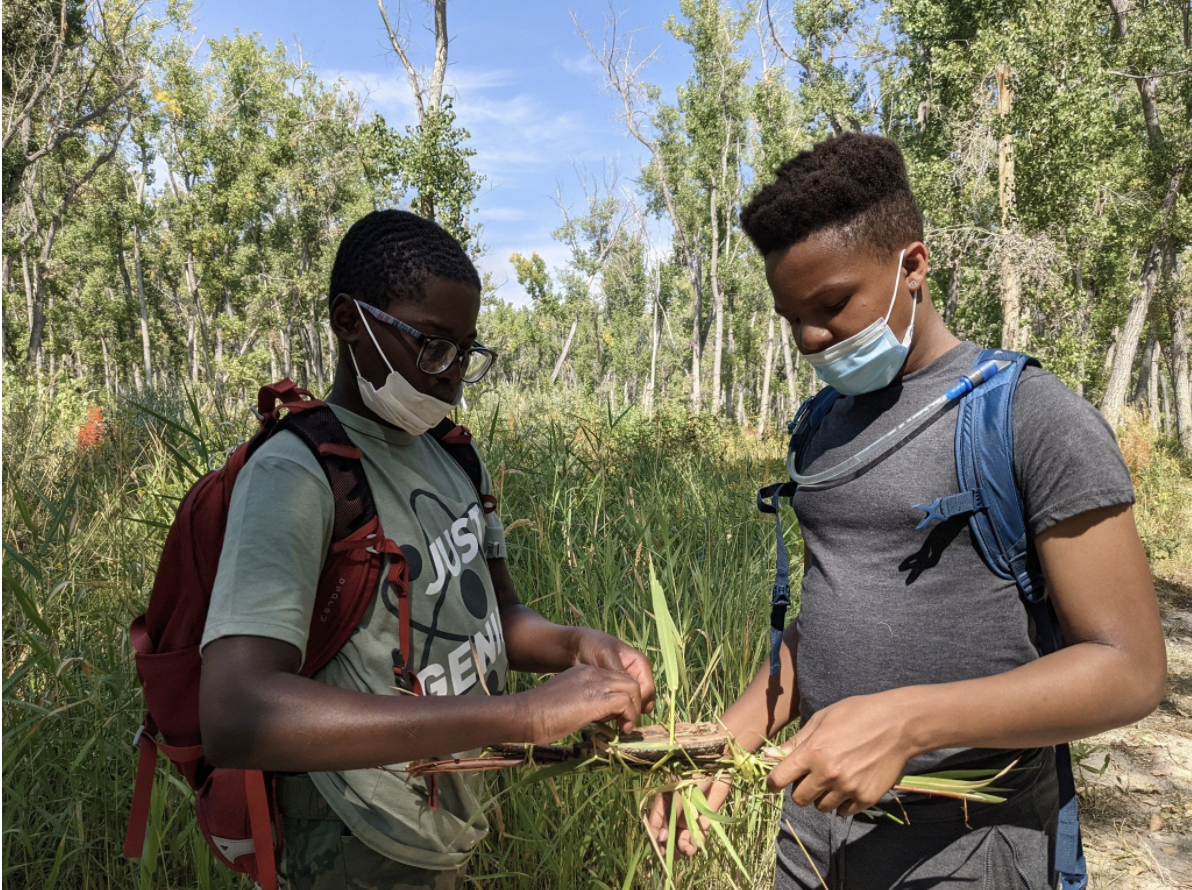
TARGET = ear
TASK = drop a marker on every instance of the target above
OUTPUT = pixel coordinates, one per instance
(914, 263)
(345, 319)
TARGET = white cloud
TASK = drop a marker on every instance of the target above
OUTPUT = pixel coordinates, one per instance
(581, 65)
(502, 214)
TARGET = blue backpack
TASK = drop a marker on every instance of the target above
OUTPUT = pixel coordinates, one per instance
(989, 497)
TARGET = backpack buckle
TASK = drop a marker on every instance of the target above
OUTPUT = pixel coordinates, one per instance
(136, 739)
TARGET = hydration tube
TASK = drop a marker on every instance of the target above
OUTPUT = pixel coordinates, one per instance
(963, 387)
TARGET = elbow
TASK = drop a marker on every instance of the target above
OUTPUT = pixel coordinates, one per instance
(227, 745)
(1149, 685)
(230, 738)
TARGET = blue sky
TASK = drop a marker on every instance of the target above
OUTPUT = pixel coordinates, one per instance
(524, 86)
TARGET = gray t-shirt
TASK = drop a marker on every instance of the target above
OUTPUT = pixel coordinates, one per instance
(885, 606)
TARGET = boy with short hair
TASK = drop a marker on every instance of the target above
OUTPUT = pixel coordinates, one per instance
(909, 655)
(404, 302)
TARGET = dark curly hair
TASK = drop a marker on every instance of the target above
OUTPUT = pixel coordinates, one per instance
(854, 184)
(391, 255)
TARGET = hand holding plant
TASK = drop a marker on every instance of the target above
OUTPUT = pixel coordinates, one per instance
(580, 695)
(848, 755)
(688, 841)
(603, 650)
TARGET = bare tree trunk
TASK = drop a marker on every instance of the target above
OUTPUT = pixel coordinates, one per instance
(1153, 389)
(139, 271)
(1011, 294)
(1165, 387)
(107, 367)
(717, 309)
(696, 339)
(428, 97)
(192, 288)
(1086, 320)
(1178, 311)
(332, 352)
(316, 349)
(953, 301)
(792, 368)
(763, 420)
(192, 363)
(655, 340)
(566, 349)
(1148, 281)
(1143, 387)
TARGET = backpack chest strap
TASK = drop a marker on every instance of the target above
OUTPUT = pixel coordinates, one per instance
(944, 508)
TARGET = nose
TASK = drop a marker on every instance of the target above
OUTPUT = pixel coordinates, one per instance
(812, 338)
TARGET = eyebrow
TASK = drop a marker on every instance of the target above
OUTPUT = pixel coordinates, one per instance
(824, 288)
(438, 330)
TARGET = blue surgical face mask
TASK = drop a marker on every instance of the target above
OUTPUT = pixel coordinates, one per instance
(870, 359)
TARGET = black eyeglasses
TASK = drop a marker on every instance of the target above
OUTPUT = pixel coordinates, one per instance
(438, 353)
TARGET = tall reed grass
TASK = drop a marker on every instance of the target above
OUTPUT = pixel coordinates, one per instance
(589, 498)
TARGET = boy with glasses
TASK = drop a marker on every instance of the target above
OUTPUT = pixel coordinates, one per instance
(404, 302)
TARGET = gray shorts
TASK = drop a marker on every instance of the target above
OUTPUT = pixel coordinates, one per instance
(320, 853)
(1003, 846)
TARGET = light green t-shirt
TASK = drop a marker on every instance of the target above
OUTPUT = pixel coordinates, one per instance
(279, 528)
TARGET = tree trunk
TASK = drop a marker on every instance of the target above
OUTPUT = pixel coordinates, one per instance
(696, 340)
(655, 339)
(1143, 387)
(1178, 311)
(316, 350)
(953, 301)
(1011, 293)
(717, 306)
(1165, 388)
(566, 349)
(763, 420)
(107, 367)
(1148, 281)
(1153, 390)
(792, 368)
(192, 288)
(140, 273)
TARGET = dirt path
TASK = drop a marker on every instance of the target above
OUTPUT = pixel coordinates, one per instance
(1137, 816)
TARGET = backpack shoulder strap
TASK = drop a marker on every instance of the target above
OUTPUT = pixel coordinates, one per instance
(456, 440)
(356, 537)
(321, 432)
(985, 469)
(810, 415)
(990, 497)
(989, 494)
(769, 499)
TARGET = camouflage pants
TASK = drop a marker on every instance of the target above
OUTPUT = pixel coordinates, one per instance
(319, 853)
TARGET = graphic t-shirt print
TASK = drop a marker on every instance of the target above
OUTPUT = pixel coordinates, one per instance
(456, 629)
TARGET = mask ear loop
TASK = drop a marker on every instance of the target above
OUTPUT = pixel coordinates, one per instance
(372, 337)
(910, 331)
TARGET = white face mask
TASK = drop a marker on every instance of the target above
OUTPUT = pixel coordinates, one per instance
(397, 401)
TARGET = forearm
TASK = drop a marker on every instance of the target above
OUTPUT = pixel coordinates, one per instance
(531, 642)
(1071, 694)
(769, 702)
(534, 644)
(289, 723)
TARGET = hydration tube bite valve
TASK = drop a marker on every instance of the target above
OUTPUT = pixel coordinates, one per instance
(975, 378)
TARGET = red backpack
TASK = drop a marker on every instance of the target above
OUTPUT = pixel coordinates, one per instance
(237, 809)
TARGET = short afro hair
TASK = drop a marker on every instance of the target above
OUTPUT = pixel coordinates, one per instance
(391, 255)
(854, 185)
